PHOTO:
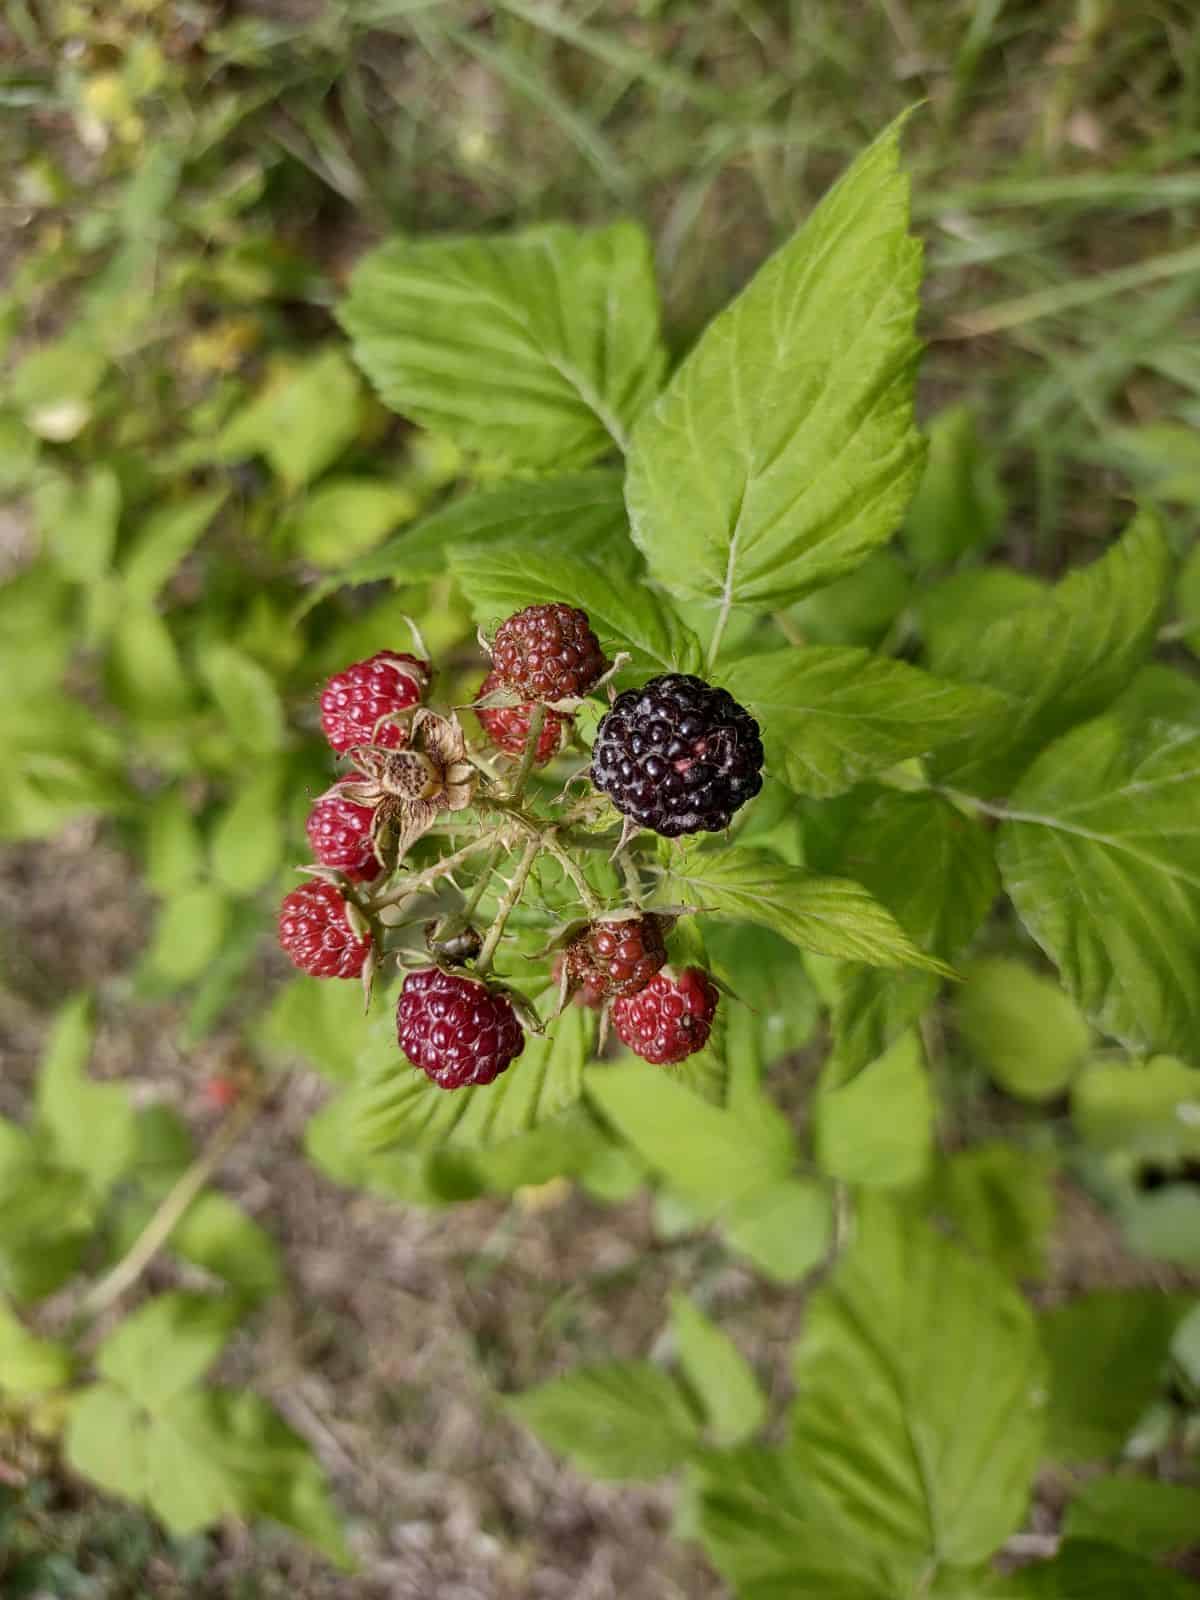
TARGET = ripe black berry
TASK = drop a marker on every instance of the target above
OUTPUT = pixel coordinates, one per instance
(548, 653)
(678, 755)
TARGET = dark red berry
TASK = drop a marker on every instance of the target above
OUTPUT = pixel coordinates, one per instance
(316, 932)
(355, 699)
(670, 1018)
(457, 1030)
(340, 834)
(221, 1093)
(678, 755)
(508, 726)
(585, 994)
(548, 653)
(616, 958)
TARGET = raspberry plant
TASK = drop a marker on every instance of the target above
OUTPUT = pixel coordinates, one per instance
(718, 773)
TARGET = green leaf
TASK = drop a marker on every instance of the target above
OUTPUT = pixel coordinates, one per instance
(959, 504)
(1102, 860)
(831, 717)
(146, 676)
(918, 1380)
(248, 840)
(625, 1419)
(713, 1157)
(773, 1537)
(625, 614)
(78, 522)
(776, 1008)
(396, 1105)
(1059, 660)
(1084, 1570)
(721, 1377)
(1150, 1519)
(1021, 1027)
(343, 517)
(246, 696)
(785, 1228)
(581, 513)
(933, 869)
(89, 1127)
(831, 916)
(1150, 1109)
(541, 348)
(301, 422)
(30, 1365)
(167, 1344)
(106, 1440)
(322, 1023)
(188, 933)
(954, 613)
(783, 450)
(217, 1235)
(878, 1129)
(855, 610)
(1185, 1345)
(1107, 1354)
(217, 1452)
(162, 540)
(1001, 1201)
(173, 858)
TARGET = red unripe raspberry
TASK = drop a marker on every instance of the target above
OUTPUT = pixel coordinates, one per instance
(508, 726)
(670, 1018)
(617, 958)
(340, 834)
(457, 1030)
(548, 653)
(354, 700)
(585, 994)
(315, 930)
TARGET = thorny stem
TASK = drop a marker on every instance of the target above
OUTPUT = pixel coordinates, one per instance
(171, 1211)
(426, 879)
(509, 899)
(481, 883)
(582, 887)
(633, 880)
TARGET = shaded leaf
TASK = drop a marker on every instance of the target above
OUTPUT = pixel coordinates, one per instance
(625, 1419)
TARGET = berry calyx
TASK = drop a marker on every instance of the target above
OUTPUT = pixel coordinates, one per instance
(508, 726)
(548, 653)
(455, 1029)
(340, 834)
(670, 1018)
(366, 702)
(616, 958)
(315, 929)
(678, 755)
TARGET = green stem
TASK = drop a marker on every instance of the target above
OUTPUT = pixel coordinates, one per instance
(170, 1213)
(537, 721)
(504, 910)
(582, 887)
(425, 880)
(632, 877)
(481, 883)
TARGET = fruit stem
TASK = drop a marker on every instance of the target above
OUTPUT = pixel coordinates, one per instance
(509, 899)
(582, 887)
(424, 880)
(537, 719)
(632, 877)
(481, 883)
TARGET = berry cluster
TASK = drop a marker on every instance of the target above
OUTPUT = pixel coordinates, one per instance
(676, 756)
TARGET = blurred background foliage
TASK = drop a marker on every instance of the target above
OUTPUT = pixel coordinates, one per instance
(187, 455)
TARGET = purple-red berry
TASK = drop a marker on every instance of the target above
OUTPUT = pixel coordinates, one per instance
(340, 834)
(457, 1030)
(678, 755)
(508, 726)
(617, 958)
(316, 931)
(359, 703)
(670, 1018)
(548, 653)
